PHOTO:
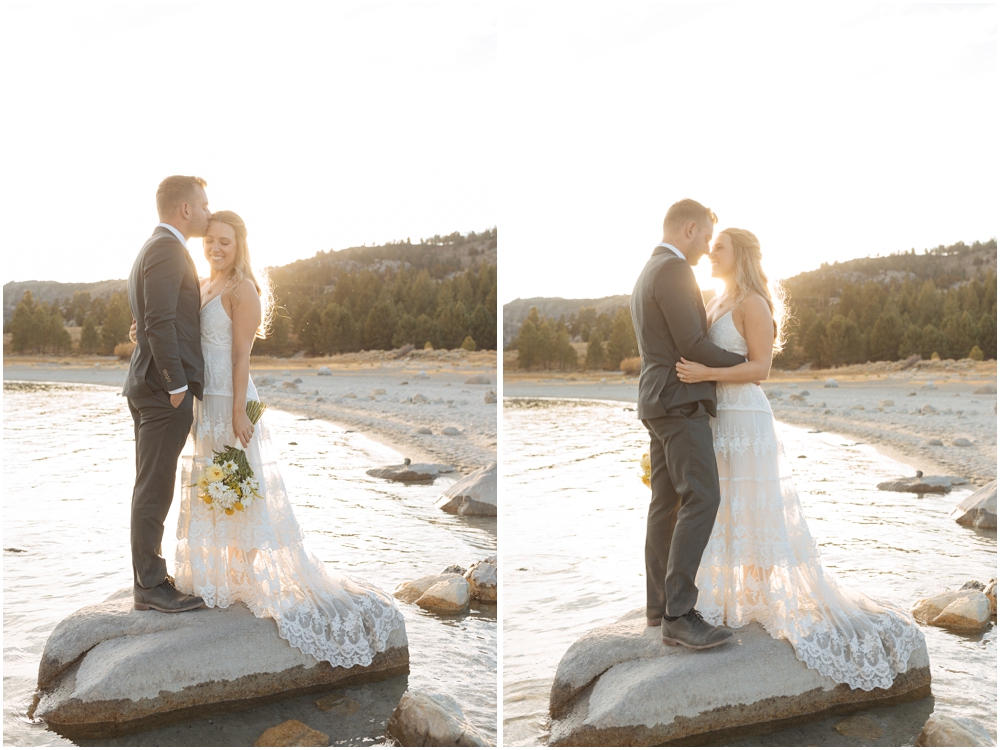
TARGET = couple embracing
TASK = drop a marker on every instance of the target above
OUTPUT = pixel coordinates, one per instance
(726, 539)
(190, 373)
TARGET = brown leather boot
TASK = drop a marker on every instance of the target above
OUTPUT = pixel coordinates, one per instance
(691, 631)
(165, 598)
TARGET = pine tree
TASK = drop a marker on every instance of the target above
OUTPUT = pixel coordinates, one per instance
(90, 341)
(528, 345)
(988, 336)
(596, 354)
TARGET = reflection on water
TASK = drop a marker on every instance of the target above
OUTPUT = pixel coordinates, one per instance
(68, 455)
(574, 530)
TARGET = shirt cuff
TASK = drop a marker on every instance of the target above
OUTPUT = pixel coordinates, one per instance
(179, 390)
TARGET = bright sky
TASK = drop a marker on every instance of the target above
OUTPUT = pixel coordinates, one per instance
(324, 125)
(830, 131)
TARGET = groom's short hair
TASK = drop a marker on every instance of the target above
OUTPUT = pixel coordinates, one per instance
(687, 210)
(174, 191)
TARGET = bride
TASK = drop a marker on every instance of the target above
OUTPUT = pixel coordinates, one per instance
(761, 563)
(256, 556)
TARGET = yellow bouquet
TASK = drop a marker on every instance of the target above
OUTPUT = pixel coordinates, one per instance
(228, 483)
(647, 471)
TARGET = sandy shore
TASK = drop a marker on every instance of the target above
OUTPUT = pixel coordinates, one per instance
(858, 408)
(388, 399)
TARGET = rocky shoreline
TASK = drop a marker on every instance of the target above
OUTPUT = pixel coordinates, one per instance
(419, 404)
(881, 403)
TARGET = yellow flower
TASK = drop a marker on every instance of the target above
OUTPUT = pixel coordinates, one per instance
(646, 475)
(206, 498)
(238, 506)
(214, 473)
(203, 481)
(229, 511)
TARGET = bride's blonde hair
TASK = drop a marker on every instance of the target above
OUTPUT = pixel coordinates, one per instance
(751, 279)
(242, 270)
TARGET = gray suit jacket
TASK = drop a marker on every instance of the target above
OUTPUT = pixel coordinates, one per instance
(165, 298)
(670, 323)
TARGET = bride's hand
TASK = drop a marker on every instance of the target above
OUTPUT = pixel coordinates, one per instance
(242, 427)
(691, 372)
(131, 333)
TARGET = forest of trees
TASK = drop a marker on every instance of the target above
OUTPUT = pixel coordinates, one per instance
(441, 292)
(942, 303)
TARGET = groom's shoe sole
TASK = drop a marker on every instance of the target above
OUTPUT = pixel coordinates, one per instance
(146, 607)
(653, 623)
(672, 642)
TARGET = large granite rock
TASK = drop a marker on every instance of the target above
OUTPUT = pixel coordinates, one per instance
(475, 495)
(425, 720)
(619, 685)
(108, 670)
(978, 510)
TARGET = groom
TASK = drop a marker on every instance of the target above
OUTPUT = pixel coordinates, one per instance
(164, 377)
(670, 323)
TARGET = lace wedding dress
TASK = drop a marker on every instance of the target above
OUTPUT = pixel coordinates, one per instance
(761, 563)
(256, 556)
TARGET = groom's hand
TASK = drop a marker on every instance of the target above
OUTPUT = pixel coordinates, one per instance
(176, 399)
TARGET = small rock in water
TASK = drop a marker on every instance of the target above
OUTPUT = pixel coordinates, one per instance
(339, 703)
(297, 381)
(457, 569)
(804, 393)
(946, 731)
(292, 733)
(425, 720)
(447, 597)
(859, 727)
(858, 407)
(912, 393)
(286, 372)
(451, 431)
(991, 593)
(288, 385)
(928, 386)
(961, 442)
(831, 383)
(796, 398)
(350, 394)
(378, 391)
(418, 398)
(887, 402)
(978, 510)
(490, 398)
(934, 441)
(478, 380)
(985, 389)
(482, 578)
(324, 371)
(422, 375)
(928, 409)
(972, 585)
(964, 611)
(423, 431)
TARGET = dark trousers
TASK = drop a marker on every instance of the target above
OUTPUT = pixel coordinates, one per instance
(160, 434)
(685, 484)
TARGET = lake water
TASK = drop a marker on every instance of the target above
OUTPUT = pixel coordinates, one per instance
(68, 468)
(574, 527)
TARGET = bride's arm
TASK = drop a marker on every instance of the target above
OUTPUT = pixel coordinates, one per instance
(758, 330)
(246, 319)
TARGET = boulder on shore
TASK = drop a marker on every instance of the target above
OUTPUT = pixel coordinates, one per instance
(474, 495)
(410, 473)
(620, 685)
(966, 610)
(978, 510)
(425, 720)
(292, 733)
(946, 731)
(108, 670)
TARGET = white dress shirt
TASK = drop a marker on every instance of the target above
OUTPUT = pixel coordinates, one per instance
(179, 236)
(667, 245)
